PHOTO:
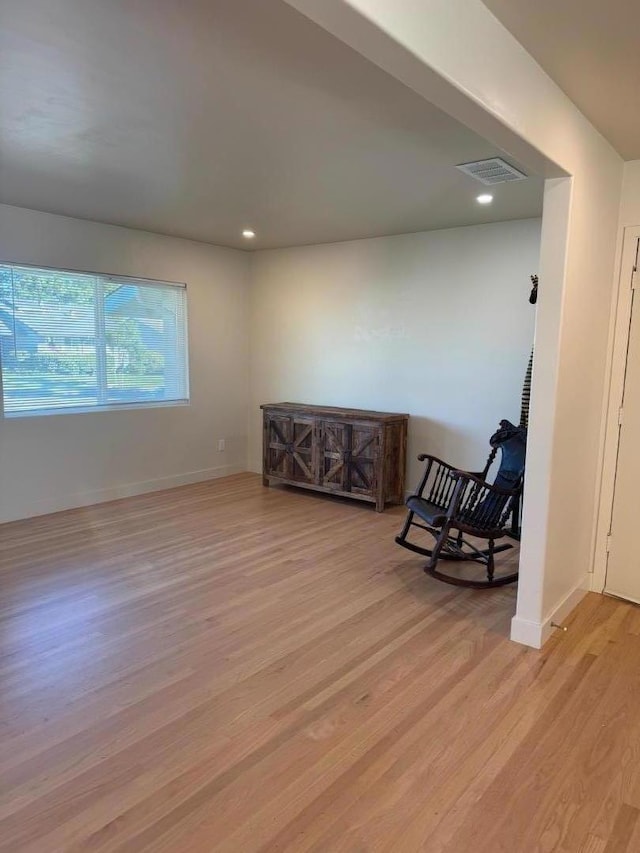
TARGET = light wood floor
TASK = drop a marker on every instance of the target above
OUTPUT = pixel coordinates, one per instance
(223, 667)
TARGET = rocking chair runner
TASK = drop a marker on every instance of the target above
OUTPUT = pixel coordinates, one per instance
(452, 503)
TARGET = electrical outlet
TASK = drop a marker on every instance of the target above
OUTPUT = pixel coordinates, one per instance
(220, 445)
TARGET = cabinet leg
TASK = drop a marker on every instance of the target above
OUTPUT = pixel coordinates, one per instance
(265, 480)
(379, 504)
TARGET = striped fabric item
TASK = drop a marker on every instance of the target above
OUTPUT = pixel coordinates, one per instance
(526, 395)
(526, 388)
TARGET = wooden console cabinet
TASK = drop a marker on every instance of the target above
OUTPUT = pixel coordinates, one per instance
(349, 452)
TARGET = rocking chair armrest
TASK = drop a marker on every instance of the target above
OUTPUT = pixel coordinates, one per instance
(423, 457)
(465, 475)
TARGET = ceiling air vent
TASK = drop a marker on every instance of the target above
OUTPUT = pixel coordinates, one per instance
(493, 171)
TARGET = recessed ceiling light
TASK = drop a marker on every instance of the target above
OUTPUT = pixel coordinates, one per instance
(248, 234)
(484, 199)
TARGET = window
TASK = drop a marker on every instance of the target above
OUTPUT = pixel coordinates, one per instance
(80, 342)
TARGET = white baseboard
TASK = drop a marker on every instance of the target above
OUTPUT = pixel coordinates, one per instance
(57, 503)
(526, 632)
(536, 634)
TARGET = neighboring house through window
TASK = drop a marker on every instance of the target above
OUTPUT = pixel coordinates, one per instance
(79, 342)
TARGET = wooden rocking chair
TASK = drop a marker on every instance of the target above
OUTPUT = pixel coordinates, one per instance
(451, 503)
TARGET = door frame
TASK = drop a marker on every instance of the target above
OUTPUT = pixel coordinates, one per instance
(614, 390)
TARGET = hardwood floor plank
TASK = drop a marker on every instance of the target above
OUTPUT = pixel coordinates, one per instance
(593, 844)
(623, 830)
(224, 667)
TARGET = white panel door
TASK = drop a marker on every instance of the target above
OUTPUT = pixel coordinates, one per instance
(623, 566)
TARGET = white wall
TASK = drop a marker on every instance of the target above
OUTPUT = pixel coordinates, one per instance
(52, 462)
(458, 55)
(434, 324)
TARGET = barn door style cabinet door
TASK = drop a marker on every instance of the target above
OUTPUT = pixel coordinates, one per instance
(290, 448)
(349, 452)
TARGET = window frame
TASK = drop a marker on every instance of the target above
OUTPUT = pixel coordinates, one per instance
(105, 406)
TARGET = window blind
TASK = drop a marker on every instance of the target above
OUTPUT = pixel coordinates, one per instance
(77, 341)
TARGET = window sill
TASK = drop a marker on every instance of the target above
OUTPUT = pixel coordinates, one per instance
(86, 410)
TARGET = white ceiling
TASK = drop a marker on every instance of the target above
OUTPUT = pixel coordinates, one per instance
(591, 48)
(202, 117)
